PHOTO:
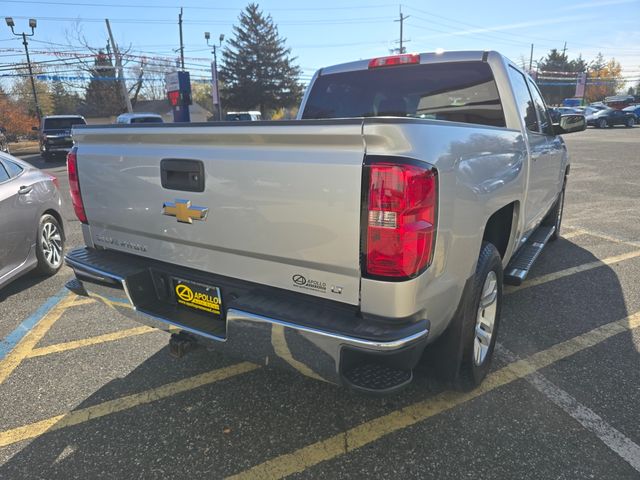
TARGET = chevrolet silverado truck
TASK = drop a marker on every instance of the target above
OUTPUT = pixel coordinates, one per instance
(373, 232)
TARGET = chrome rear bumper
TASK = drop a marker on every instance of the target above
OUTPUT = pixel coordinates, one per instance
(267, 341)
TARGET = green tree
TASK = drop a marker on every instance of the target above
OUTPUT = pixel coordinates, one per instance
(560, 75)
(64, 102)
(258, 71)
(102, 96)
(22, 91)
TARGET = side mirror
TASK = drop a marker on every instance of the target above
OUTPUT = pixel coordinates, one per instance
(570, 124)
(35, 129)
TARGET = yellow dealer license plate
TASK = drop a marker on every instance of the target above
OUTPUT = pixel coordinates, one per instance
(204, 298)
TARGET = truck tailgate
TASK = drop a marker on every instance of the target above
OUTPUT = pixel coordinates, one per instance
(283, 200)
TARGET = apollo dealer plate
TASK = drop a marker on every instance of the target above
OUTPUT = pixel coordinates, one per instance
(197, 296)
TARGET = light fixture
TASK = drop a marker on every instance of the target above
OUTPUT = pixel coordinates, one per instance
(10, 22)
(33, 23)
(207, 35)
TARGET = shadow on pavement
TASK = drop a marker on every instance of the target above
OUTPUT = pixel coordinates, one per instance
(228, 426)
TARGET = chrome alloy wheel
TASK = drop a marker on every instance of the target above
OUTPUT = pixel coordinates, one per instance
(485, 319)
(52, 244)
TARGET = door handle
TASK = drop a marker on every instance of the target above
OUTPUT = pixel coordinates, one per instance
(24, 189)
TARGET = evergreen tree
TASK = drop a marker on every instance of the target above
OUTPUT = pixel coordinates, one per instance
(258, 71)
(64, 102)
(560, 75)
(102, 96)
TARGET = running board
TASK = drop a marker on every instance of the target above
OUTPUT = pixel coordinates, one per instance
(523, 260)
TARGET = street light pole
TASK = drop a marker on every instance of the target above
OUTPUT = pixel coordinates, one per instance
(24, 35)
(207, 36)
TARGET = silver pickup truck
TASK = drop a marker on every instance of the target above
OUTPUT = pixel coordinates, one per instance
(374, 231)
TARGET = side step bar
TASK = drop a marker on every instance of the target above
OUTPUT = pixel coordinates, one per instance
(523, 260)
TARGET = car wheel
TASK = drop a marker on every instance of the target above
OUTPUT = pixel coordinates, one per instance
(480, 328)
(50, 245)
(602, 123)
(630, 122)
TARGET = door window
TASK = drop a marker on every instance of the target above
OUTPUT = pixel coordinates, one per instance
(546, 126)
(524, 101)
(13, 169)
(4, 176)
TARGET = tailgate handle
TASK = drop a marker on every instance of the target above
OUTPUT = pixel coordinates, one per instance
(182, 174)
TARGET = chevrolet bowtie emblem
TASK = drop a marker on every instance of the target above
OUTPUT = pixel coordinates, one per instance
(183, 211)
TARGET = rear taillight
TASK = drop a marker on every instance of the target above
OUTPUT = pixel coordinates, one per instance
(74, 185)
(400, 219)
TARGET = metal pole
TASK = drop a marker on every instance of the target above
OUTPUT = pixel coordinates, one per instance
(123, 85)
(215, 66)
(181, 42)
(33, 83)
(531, 59)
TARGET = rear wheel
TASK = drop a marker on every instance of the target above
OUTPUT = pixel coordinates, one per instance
(602, 123)
(480, 327)
(50, 245)
(630, 122)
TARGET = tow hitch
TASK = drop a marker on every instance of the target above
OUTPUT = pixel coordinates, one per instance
(181, 343)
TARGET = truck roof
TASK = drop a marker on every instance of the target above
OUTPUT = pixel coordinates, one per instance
(425, 57)
(62, 116)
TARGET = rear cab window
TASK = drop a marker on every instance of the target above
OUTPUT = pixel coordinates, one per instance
(457, 92)
(62, 123)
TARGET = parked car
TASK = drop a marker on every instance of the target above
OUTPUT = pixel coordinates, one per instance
(635, 109)
(31, 226)
(251, 116)
(383, 222)
(127, 118)
(55, 134)
(609, 117)
(4, 143)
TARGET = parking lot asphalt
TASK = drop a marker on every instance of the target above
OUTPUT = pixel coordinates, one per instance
(87, 393)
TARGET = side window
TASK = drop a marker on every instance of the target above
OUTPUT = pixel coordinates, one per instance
(525, 103)
(13, 169)
(546, 126)
(4, 176)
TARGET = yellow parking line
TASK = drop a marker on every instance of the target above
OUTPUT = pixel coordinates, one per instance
(602, 236)
(572, 270)
(119, 404)
(85, 342)
(574, 233)
(15, 357)
(375, 429)
(82, 301)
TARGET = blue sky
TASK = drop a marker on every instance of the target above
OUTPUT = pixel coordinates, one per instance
(332, 31)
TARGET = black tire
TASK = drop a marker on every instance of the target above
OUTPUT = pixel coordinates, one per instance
(554, 217)
(630, 122)
(49, 264)
(471, 374)
(602, 123)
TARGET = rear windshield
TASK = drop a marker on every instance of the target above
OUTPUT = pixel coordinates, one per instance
(62, 123)
(146, 120)
(457, 92)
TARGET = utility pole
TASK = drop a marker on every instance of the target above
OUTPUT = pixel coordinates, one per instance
(401, 20)
(564, 49)
(32, 23)
(123, 85)
(214, 73)
(181, 42)
(531, 59)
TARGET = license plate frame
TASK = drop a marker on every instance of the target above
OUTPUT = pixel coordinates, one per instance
(197, 297)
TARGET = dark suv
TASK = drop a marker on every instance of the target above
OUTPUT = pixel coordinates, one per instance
(55, 134)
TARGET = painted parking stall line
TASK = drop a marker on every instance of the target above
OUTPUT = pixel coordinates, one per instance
(615, 440)
(372, 430)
